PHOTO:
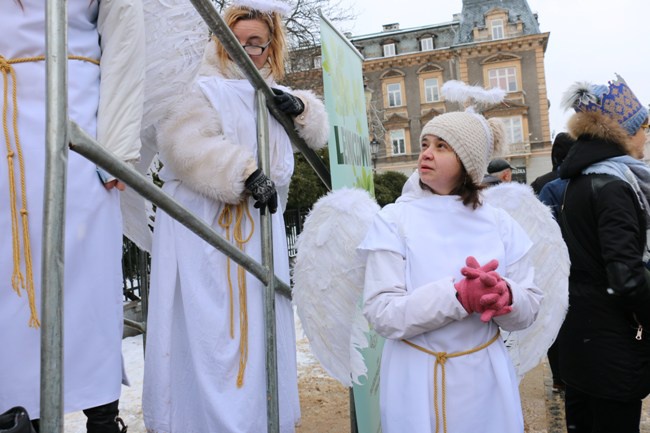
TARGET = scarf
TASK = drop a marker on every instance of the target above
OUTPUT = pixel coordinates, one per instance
(637, 174)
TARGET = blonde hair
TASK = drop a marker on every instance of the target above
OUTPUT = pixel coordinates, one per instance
(278, 46)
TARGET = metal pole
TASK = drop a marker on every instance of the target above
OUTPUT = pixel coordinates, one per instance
(85, 145)
(56, 157)
(216, 24)
(272, 406)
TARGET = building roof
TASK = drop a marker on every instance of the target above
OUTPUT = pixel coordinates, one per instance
(474, 15)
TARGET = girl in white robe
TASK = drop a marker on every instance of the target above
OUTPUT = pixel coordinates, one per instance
(107, 103)
(443, 368)
(205, 357)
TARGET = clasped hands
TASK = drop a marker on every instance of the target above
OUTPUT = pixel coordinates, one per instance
(483, 290)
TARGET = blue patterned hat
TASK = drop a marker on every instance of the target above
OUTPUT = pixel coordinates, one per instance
(616, 101)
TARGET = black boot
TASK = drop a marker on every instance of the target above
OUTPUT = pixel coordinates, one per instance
(104, 419)
(15, 420)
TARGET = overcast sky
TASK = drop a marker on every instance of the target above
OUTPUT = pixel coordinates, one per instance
(590, 40)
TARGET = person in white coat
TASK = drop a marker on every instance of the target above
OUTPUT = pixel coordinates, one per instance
(105, 96)
(205, 356)
(444, 272)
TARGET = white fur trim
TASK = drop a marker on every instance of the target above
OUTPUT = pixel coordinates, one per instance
(191, 142)
(313, 124)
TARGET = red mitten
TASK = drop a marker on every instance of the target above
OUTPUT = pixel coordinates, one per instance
(497, 302)
(476, 284)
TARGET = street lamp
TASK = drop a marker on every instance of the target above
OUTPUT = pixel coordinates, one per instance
(374, 150)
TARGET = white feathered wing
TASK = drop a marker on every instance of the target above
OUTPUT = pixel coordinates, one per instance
(328, 281)
(550, 258)
(175, 38)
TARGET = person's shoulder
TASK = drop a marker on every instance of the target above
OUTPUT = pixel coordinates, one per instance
(542, 180)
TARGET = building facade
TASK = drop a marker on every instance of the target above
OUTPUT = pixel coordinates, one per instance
(491, 43)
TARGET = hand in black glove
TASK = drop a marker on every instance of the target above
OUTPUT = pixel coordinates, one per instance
(263, 191)
(288, 103)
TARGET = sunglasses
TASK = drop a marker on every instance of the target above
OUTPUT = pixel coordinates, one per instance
(255, 50)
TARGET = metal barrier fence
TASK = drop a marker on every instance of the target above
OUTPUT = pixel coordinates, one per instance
(61, 133)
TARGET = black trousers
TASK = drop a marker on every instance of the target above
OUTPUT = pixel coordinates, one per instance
(101, 419)
(588, 414)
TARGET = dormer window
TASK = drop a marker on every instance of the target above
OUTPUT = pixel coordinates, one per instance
(426, 44)
(497, 29)
(389, 50)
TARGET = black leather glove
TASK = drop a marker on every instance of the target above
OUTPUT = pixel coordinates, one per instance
(288, 103)
(263, 191)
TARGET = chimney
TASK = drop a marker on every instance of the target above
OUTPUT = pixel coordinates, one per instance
(390, 27)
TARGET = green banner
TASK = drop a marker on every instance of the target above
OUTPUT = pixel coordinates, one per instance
(351, 166)
(349, 144)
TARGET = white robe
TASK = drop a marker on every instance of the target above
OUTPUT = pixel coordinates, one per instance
(416, 250)
(93, 242)
(191, 362)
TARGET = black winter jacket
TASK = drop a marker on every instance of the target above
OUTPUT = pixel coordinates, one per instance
(609, 292)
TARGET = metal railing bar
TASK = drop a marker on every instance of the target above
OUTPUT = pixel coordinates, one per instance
(266, 234)
(139, 326)
(83, 144)
(216, 24)
(52, 256)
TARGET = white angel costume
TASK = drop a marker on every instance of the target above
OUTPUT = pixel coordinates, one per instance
(416, 249)
(106, 102)
(205, 357)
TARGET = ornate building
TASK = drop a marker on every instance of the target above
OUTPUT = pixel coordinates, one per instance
(491, 43)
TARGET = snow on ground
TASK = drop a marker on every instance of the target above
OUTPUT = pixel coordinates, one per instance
(131, 398)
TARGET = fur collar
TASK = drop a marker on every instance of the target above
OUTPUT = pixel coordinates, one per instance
(599, 126)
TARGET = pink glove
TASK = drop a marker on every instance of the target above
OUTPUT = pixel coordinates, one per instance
(497, 302)
(483, 290)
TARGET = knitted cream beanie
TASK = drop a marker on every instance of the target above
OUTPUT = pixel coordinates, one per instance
(473, 137)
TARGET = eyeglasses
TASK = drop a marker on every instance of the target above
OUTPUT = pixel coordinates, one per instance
(255, 50)
(646, 128)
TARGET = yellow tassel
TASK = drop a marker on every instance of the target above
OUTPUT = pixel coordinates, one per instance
(225, 222)
(19, 281)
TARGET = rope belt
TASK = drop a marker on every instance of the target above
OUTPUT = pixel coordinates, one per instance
(441, 359)
(19, 281)
(225, 222)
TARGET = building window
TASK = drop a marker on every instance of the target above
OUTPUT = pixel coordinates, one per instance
(389, 50)
(497, 29)
(394, 94)
(431, 90)
(398, 141)
(504, 78)
(514, 129)
(317, 62)
(426, 44)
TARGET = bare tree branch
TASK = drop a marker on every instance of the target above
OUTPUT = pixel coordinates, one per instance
(303, 24)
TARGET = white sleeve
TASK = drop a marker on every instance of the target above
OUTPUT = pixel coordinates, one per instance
(526, 296)
(397, 313)
(121, 94)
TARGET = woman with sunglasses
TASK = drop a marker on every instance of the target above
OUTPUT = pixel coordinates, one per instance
(205, 360)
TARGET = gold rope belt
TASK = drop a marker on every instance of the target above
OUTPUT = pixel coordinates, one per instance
(441, 358)
(225, 222)
(19, 281)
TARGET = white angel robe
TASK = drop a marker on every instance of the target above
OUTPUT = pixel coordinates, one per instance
(93, 234)
(416, 249)
(192, 362)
